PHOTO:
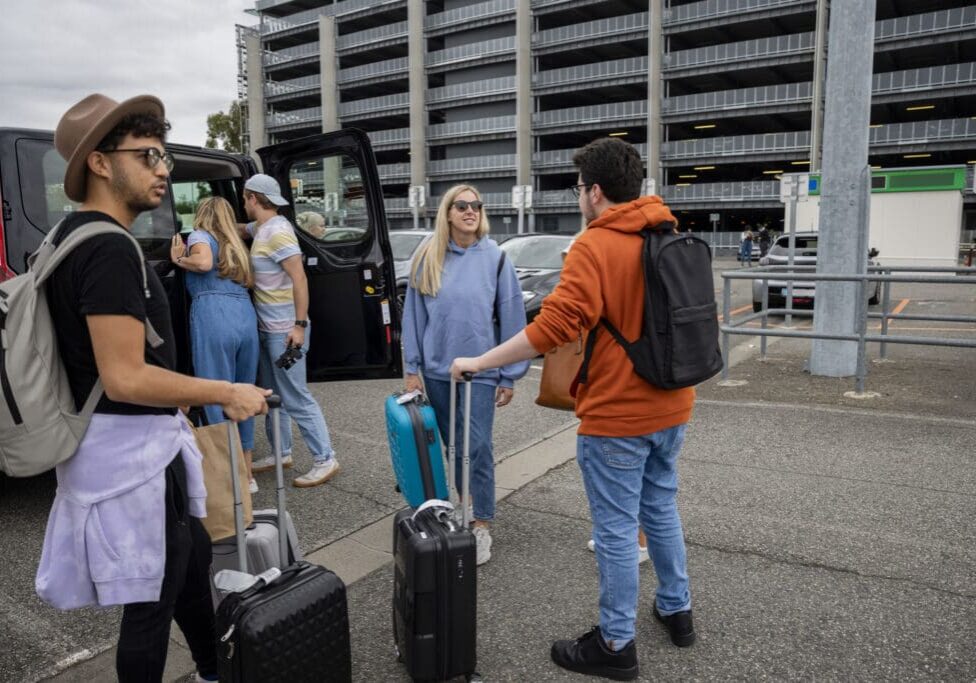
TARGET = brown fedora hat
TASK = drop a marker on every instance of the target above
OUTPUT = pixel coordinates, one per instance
(84, 125)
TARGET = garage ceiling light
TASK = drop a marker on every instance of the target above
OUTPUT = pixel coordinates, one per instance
(618, 135)
(704, 168)
(917, 156)
(920, 107)
(876, 125)
(692, 175)
(682, 184)
(800, 163)
(777, 171)
(705, 126)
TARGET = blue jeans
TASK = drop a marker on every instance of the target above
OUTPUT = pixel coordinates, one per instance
(297, 401)
(482, 455)
(224, 343)
(626, 479)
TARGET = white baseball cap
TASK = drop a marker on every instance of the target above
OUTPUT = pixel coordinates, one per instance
(268, 186)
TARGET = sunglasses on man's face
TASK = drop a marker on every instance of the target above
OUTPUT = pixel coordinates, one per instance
(150, 156)
(462, 205)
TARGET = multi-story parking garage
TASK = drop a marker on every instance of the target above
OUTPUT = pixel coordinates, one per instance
(500, 92)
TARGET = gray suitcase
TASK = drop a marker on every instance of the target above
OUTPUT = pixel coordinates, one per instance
(261, 539)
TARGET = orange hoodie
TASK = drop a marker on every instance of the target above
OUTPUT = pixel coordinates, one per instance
(603, 277)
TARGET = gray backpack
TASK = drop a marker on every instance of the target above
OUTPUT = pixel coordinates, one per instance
(40, 426)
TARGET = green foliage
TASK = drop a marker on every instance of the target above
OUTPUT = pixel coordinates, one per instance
(227, 129)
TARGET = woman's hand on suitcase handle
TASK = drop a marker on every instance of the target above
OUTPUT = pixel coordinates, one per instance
(503, 396)
(244, 401)
(413, 383)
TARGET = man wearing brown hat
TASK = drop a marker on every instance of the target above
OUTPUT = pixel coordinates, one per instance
(144, 546)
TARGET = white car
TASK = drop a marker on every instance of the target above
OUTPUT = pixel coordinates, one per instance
(805, 254)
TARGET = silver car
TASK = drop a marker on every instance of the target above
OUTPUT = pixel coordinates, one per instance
(405, 244)
(805, 254)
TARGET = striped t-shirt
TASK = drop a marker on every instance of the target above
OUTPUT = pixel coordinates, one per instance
(274, 301)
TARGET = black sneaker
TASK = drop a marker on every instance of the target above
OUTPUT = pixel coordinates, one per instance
(679, 625)
(590, 655)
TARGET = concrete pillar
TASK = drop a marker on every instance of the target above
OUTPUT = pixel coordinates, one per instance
(655, 91)
(819, 69)
(257, 131)
(523, 93)
(328, 74)
(418, 90)
(845, 185)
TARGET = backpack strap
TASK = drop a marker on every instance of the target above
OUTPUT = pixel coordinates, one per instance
(591, 344)
(49, 256)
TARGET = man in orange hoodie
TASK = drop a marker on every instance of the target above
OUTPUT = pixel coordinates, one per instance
(630, 432)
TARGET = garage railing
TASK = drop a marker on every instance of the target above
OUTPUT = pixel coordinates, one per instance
(886, 275)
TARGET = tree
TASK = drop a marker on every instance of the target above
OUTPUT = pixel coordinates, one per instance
(227, 129)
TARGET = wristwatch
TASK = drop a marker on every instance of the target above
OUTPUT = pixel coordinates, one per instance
(301, 323)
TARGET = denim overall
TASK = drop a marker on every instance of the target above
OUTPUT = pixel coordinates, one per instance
(223, 332)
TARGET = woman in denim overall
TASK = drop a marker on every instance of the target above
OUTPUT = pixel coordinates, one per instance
(223, 325)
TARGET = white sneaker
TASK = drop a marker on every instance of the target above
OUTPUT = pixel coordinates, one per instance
(482, 538)
(268, 464)
(319, 474)
(252, 486)
(642, 554)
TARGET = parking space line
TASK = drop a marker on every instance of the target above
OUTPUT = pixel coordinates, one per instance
(899, 308)
(736, 311)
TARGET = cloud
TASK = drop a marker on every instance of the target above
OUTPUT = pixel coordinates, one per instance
(53, 53)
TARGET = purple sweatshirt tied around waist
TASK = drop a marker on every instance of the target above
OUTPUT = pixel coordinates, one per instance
(105, 542)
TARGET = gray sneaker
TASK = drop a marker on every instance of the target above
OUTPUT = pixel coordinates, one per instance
(319, 474)
(268, 464)
(482, 538)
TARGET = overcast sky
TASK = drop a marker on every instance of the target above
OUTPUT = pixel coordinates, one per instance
(55, 52)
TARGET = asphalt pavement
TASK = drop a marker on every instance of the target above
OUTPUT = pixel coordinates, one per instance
(829, 537)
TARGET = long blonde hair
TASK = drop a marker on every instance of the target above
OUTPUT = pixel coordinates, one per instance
(425, 275)
(215, 216)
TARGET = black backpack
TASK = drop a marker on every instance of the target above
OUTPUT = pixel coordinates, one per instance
(678, 346)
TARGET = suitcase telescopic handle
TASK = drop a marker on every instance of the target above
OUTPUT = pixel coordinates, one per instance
(274, 407)
(465, 445)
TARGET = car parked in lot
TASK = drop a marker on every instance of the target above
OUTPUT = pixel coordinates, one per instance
(350, 269)
(405, 244)
(805, 254)
(538, 260)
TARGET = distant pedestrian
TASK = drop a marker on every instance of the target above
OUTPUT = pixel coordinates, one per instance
(765, 239)
(281, 302)
(124, 527)
(630, 432)
(745, 247)
(223, 326)
(459, 302)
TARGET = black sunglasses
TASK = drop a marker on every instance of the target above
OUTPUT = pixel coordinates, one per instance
(462, 205)
(150, 155)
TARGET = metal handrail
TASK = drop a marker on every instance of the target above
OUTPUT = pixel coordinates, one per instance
(883, 274)
(482, 88)
(491, 124)
(709, 9)
(273, 57)
(776, 46)
(463, 15)
(595, 113)
(615, 68)
(938, 21)
(611, 26)
(373, 69)
(372, 35)
(293, 85)
(463, 53)
(382, 103)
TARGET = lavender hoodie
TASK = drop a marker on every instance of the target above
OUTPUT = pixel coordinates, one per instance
(106, 535)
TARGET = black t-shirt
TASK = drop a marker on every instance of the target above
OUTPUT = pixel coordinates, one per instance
(103, 276)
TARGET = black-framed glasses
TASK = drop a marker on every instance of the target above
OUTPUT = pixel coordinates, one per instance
(462, 205)
(150, 156)
(578, 189)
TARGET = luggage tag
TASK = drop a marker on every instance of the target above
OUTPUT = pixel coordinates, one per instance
(233, 581)
(409, 396)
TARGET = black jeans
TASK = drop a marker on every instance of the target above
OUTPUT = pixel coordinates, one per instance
(185, 596)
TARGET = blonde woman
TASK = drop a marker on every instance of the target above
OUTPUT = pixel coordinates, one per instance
(463, 299)
(223, 325)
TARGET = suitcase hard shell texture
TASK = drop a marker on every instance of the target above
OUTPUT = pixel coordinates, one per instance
(292, 624)
(436, 579)
(415, 448)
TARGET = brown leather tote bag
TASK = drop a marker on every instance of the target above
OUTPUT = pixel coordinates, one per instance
(559, 369)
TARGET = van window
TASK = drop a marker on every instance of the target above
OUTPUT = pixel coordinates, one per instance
(330, 199)
(41, 170)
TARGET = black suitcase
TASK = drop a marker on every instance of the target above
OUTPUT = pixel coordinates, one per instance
(435, 579)
(292, 625)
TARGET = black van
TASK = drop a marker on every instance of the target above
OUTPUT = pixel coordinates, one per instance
(350, 268)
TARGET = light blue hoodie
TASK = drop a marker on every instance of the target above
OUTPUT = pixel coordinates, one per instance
(458, 322)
